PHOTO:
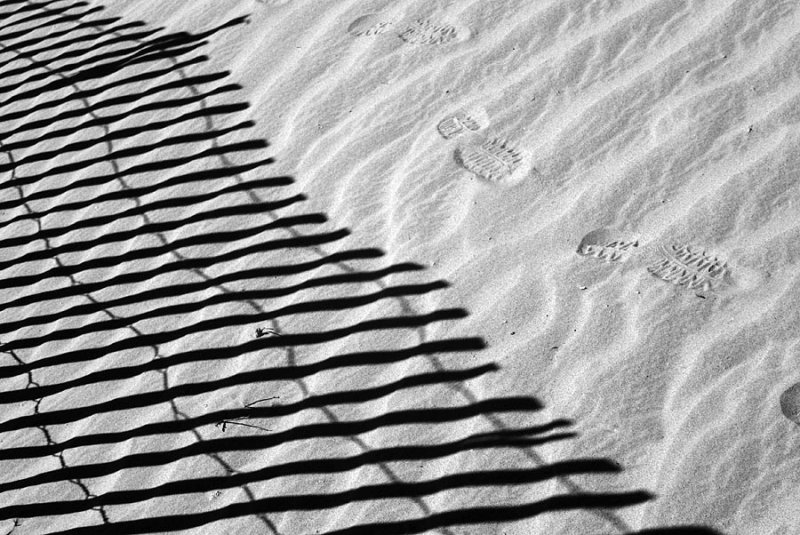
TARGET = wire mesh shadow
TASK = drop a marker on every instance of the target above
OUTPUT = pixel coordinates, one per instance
(140, 237)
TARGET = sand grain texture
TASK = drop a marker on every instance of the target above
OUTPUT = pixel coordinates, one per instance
(283, 266)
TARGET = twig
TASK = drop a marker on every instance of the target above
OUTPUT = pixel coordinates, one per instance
(248, 405)
(225, 423)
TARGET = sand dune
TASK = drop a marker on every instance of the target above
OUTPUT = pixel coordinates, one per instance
(283, 266)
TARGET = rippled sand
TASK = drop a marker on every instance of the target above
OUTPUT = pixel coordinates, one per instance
(348, 266)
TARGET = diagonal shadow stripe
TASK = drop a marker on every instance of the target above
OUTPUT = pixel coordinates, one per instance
(484, 478)
(90, 93)
(218, 238)
(70, 44)
(10, 36)
(136, 169)
(162, 204)
(128, 133)
(106, 120)
(184, 179)
(293, 340)
(306, 307)
(336, 465)
(141, 276)
(63, 416)
(91, 74)
(161, 226)
(265, 375)
(260, 442)
(185, 289)
(460, 517)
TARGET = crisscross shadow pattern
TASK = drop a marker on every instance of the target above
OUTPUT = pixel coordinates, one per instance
(184, 348)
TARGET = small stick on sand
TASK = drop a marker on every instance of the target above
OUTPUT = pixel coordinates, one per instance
(260, 401)
(225, 423)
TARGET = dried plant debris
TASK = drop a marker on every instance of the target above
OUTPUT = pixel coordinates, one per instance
(225, 423)
(608, 245)
(689, 267)
(237, 420)
(463, 121)
(264, 331)
(495, 160)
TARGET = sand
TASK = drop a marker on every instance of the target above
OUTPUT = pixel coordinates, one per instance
(359, 267)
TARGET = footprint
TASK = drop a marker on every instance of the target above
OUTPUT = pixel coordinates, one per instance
(685, 266)
(473, 120)
(608, 245)
(790, 403)
(368, 25)
(426, 32)
(494, 160)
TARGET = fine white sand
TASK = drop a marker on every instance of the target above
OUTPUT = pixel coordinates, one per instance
(589, 208)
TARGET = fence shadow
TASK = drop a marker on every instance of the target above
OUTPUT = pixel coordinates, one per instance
(111, 146)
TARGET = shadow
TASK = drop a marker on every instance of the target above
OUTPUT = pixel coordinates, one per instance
(135, 253)
(262, 442)
(127, 133)
(286, 340)
(70, 44)
(263, 375)
(134, 193)
(86, 75)
(164, 204)
(218, 238)
(210, 418)
(48, 24)
(137, 151)
(345, 464)
(180, 289)
(160, 227)
(141, 276)
(85, 94)
(162, 104)
(163, 165)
